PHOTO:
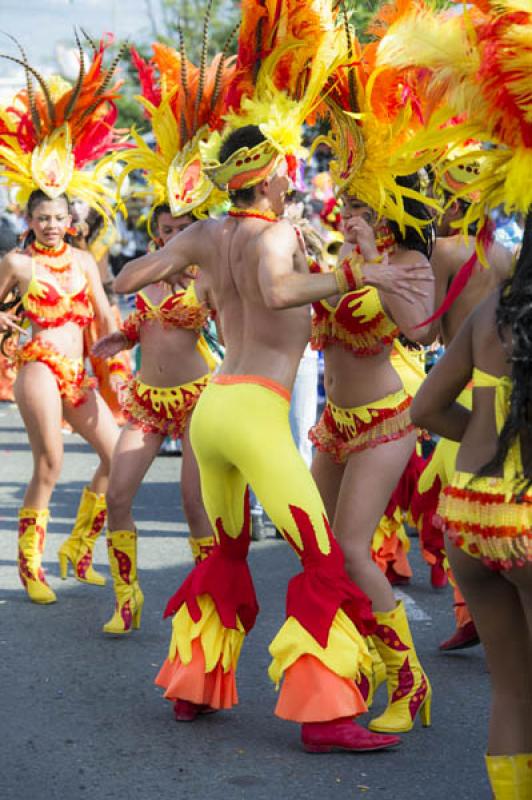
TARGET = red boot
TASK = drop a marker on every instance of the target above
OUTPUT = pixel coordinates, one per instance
(395, 578)
(343, 734)
(463, 637)
(438, 576)
(185, 711)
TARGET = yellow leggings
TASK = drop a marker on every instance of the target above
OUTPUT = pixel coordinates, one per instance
(241, 434)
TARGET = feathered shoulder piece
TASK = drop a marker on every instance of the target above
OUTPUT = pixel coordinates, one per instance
(182, 102)
(52, 130)
(287, 51)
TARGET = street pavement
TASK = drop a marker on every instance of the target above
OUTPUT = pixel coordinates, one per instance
(81, 718)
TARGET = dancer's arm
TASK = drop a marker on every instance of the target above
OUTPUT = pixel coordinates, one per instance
(434, 406)
(164, 264)
(8, 281)
(283, 287)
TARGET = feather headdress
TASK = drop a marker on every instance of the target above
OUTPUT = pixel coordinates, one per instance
(181, 101)
(51, 131)
(477, 67)
(287, 51)
(372, 113)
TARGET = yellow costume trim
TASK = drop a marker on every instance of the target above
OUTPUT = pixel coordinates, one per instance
(219, 644)
(346, 653)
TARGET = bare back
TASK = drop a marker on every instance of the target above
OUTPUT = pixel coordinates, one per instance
(259, 340)
(449, 254)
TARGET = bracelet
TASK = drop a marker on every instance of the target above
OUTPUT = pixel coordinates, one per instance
(341, 280)
(349, 273)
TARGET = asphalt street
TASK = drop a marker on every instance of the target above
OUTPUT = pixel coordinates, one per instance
(81, 718)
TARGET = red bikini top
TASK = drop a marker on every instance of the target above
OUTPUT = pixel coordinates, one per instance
(179, 310)
(48, 306)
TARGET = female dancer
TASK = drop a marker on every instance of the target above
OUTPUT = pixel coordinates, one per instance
(365, 437)
(176, 360)
(61, 292)
(486, 511)
(157, 402)
(47, 137)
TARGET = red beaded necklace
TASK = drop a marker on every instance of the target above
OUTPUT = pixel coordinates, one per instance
(57, 259)
(268, 216)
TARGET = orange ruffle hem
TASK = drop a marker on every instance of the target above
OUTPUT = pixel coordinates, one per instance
(73, 382)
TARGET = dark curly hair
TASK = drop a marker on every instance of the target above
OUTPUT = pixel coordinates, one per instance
(514, 314)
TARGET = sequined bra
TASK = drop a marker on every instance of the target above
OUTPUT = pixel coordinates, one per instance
(179, 310)
(358, 322)
(48, 306)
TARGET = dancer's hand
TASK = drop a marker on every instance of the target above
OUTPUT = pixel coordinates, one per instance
(400, 279)
(108, 346)
(358, 231)
(8, 323)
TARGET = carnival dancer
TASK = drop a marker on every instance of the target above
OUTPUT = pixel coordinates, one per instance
(240, 430)
(46, 136)
(365, 437)
(451, 251)
(486, 508)
(175, 359)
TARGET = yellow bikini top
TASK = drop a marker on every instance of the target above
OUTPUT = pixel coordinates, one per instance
(513, 465)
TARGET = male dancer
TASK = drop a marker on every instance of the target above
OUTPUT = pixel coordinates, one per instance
(240, 433)
(450, 252)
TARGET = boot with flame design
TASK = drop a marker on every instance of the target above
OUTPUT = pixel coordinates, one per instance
(409, 690)
(78, 548)
(122, 551)
(31, 537)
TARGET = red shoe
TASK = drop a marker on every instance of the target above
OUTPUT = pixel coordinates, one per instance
(394, 577)
(462, 638)
(438, 576)
(343, 734)
(185, 711)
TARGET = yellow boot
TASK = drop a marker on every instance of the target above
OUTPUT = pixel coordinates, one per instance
(510, 776)
(409, 690)
(78, 548)
(201, 548)
(31, 535)
(122, 551)
(370, 681)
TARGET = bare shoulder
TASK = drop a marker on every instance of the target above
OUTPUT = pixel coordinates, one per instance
(281, 232)
(448, 253)
(502, 259)
(15, 260)
(403, 256)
